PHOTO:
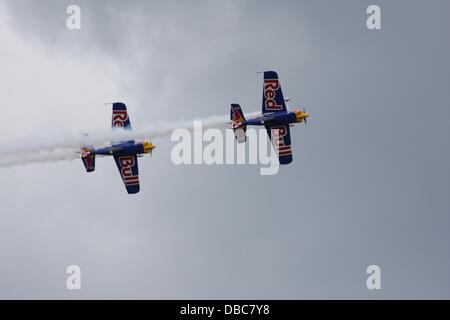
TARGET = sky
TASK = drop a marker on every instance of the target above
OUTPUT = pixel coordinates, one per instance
(368, 186)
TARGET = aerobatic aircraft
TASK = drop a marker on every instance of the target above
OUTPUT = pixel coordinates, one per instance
(125, 153)
(275, 117)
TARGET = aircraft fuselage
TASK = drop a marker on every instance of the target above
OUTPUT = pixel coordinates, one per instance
(277, 118)
(128, 148)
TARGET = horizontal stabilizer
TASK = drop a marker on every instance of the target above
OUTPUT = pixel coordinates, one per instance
(88, 161)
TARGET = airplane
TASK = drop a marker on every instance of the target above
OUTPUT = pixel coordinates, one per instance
(275, 117)
(125, 153)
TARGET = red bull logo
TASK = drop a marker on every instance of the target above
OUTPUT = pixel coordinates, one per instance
(270, 88)
(278, 134)
(119, 117)
(236, 115)
(126, 164)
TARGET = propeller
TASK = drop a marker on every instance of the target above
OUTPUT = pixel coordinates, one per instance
(306, 122)
(151, 150)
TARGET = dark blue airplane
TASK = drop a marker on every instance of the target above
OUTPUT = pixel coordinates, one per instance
(275, 117)
(125, 153)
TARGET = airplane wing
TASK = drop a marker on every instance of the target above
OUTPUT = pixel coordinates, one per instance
(120, 117)
(129, 171)
(281, 140)
(272, 95)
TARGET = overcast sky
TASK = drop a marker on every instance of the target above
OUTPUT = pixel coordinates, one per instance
(369, 183)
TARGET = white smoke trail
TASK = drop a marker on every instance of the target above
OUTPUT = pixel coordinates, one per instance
(37, 157)
(65, 146)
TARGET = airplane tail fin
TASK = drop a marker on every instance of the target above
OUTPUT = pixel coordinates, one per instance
(237, 118)
(88, 159)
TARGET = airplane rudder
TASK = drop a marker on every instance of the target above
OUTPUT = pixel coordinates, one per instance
(236, 113)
